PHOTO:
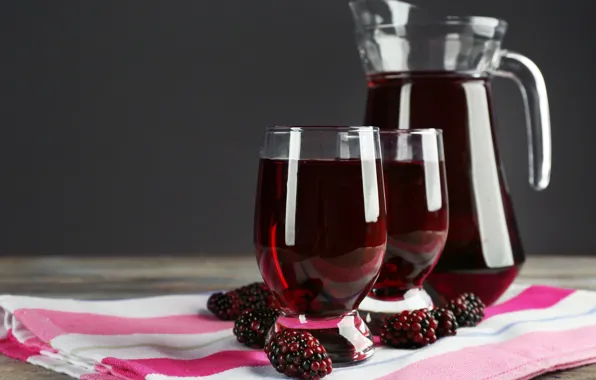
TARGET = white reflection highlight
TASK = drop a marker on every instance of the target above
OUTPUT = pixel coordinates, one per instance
(370, 189)
(292, 187)
(494, 235)
(404, 106)
(432, 173)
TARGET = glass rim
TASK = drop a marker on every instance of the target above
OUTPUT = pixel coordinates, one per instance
(419, 131)
(322, 128)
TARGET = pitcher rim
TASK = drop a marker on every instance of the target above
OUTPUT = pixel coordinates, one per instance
(497, 23)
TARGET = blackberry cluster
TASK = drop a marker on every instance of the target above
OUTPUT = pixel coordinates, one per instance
(252, 326)
(226, 306)
(298, 354)
(468, 309)
(257, 295)
(409, 329)
(229, 305)
(446, 323)
(412, 329)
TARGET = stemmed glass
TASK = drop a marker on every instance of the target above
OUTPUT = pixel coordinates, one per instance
(320, 232)
(417, 221)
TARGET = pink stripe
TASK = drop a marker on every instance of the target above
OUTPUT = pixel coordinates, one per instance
(534, 297)
(208, 365)
(127, 371)
(13, 349)
(48, 324)
(101, 368)
(523, 357)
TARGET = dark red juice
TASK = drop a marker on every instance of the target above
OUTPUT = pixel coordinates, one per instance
(315, 247)
(417, 224)
(483, 252)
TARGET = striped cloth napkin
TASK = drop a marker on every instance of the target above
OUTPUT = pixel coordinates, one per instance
(531, 330)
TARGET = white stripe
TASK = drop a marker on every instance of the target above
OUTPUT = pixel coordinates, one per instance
(133, 308)
(577, 302)
(77, 361)
(148, 346)
(57, 366)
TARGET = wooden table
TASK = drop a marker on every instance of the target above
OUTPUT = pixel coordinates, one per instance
(108, 278)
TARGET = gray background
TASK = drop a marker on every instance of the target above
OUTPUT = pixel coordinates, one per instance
(134, 126)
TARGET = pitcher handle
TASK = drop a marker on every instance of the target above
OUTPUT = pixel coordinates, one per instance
(531, 84)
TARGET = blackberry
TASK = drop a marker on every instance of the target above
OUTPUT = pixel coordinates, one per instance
(447, 324)
(252, 326)
(409, 329)
(257, 295)
(298, 354)
(226, 306)
(468, 309)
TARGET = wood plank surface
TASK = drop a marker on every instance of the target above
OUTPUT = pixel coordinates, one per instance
(117, 277)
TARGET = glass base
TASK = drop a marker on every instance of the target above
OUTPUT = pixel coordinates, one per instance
(375, 311)
(346, 338)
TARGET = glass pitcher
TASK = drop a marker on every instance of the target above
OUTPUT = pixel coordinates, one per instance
(426, 70)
